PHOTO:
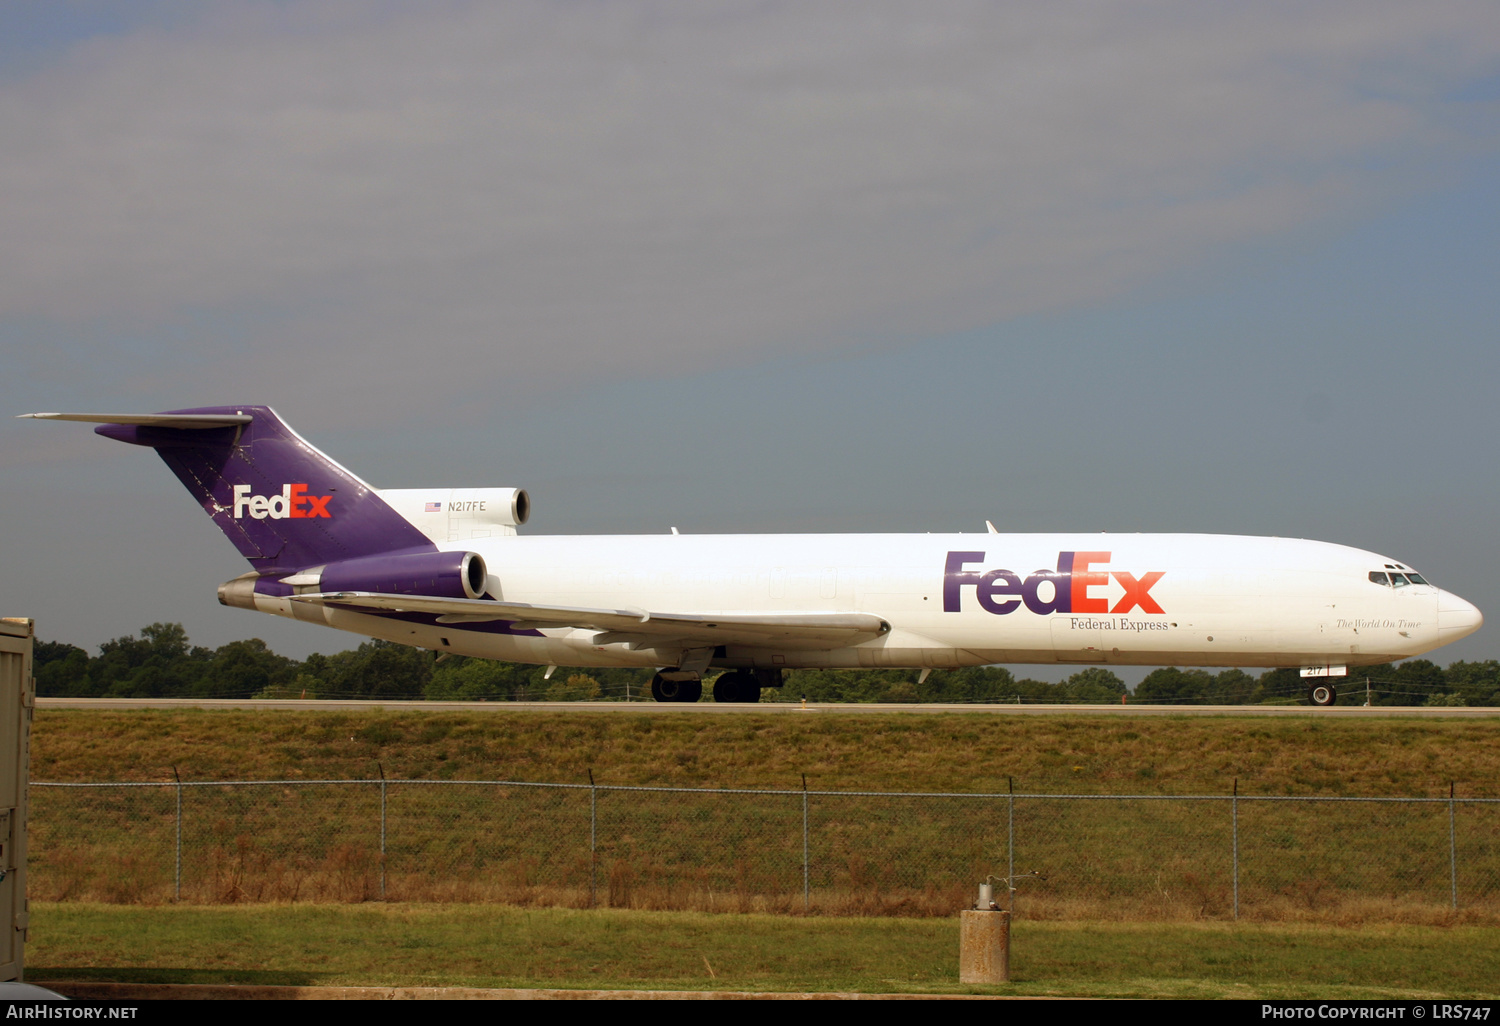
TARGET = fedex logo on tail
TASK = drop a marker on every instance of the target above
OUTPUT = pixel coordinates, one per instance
(293, 502)
(1064, 590)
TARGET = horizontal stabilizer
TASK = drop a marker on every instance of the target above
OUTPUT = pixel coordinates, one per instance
(188, 421)
(801, 630)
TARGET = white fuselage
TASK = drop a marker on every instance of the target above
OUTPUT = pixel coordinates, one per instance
(445, 569)
(1184, 600)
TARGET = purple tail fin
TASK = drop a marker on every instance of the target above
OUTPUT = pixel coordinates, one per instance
(283, 503)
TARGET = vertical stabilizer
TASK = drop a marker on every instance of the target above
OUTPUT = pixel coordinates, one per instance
(283, 504)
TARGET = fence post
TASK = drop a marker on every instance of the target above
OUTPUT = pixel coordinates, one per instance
(382, 834)
(593, 839)
(177, 878)
(1452, 850)
(1234, 842)
(1010, 846)
(806, 872)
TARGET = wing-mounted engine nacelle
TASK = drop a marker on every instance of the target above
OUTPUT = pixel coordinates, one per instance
(458, 575)
(460, 514)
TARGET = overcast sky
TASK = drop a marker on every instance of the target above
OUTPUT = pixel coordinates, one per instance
(755, 267)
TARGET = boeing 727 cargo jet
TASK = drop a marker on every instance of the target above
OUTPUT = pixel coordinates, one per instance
(445, 569)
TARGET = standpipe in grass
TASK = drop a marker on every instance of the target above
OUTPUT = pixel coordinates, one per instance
(984, 932)
(984, 946)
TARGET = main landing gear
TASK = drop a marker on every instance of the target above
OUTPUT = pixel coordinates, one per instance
(665, 690)
(737, 686)
(732, 686)
(1322, 694)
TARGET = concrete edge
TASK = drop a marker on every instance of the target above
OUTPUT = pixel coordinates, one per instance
(769, 708)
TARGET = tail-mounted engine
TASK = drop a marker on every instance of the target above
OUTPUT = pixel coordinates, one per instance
(459, 575)
(460, 514)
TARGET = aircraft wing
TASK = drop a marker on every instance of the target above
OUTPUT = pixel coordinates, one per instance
(631, 626)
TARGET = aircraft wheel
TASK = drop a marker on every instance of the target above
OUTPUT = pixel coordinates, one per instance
(1323, 694)
(737, 686)
(691, 690)
(727, 687)
(668, 690)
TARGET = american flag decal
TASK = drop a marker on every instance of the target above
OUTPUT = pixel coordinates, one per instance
(433, 507)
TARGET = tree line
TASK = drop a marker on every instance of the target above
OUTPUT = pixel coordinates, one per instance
(162, 663)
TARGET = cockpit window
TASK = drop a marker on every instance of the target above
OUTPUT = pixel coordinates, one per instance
(1391, 579)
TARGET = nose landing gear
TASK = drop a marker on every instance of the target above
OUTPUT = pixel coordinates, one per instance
(1322, 694)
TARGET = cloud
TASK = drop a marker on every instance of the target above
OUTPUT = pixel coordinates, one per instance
(353, 205)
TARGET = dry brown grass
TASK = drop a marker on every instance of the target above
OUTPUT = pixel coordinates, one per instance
(968, 753)
(1334, 863)
(621, 887)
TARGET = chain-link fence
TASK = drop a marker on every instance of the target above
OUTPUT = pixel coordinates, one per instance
(1101, 856)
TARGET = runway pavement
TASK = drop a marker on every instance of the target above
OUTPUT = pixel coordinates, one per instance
(773, 708)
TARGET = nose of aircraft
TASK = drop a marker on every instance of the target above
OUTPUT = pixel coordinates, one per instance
(1456, 618)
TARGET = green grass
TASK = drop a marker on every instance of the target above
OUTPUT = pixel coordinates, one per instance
(496, 946)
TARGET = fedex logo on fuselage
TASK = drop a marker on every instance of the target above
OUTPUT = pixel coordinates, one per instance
(1064, 590)
(293, 501)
